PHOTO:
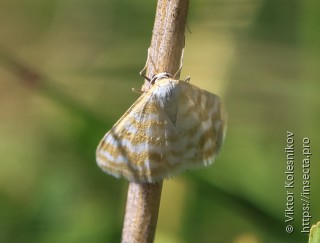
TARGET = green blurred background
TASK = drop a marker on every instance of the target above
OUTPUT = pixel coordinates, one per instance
(66, 73)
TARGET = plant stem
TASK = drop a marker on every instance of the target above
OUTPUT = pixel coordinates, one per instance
(141, 212)
(168, 37)
(164, 55)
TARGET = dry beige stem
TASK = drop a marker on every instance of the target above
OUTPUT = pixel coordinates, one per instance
(168, 38)
(141, 212)
(164, 56)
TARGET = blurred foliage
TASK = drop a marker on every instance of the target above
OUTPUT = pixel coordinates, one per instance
(66, 73)
(314, 236)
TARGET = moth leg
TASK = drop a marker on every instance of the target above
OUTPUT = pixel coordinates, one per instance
(187, 79)
(139, 91)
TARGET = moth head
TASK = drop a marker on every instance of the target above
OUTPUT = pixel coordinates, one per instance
(160, 76)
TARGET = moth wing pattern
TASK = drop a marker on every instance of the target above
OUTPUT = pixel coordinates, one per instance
(201, 123)
(172, 127)
(142, 143)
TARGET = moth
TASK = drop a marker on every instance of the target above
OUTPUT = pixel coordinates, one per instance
(172, 127)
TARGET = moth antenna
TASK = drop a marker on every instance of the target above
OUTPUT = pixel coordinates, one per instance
(188, 28)
(181, 59)
(144, 69)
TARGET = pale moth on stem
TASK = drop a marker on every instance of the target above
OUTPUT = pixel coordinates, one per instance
(173, 126)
